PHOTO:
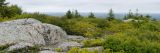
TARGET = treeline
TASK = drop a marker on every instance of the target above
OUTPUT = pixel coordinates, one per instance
(140, 34)
(9, 11)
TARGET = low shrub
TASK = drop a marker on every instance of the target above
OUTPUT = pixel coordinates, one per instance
(93, 42)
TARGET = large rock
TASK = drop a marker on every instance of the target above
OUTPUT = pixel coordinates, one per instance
(30, 32)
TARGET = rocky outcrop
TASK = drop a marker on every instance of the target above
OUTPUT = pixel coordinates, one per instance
(30, 31)
(26, 33)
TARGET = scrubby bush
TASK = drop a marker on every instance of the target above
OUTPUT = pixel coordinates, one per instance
(93, 42)
(34, 49)
(81, 50)
(133, 42)
(4, 47)
(79, 27)
(58, 49)
(141, 36)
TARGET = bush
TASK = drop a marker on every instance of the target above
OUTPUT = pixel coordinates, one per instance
(86, 29)
(4, 47)
(132, 43)
(34, 49)
(93, 42)
(24, 50)
(78, 50)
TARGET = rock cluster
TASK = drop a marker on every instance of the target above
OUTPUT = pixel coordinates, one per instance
(22, 33)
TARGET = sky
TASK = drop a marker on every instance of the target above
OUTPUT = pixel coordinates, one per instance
(119, 6)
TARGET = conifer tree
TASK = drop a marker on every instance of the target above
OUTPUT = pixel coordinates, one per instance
(3, 3)
(129, 15)
(77, 15)
(8, 11)
(111, 15)
(91, 15)
(69, 14)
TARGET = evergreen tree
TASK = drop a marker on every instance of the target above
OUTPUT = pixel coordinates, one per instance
(2, 7)
(69, 14)
(148, 16)
(13, 10)
(77, 15)
(137, 16)
(129, 15)
(111, 15)
(8, 11)
(3, 3)
(91, 15)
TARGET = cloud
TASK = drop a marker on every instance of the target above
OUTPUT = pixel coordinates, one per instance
(145, 6)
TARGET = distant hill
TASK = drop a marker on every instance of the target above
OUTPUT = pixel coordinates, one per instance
(103, 15)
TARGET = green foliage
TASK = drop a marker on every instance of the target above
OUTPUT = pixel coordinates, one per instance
(9, 11)
(111, 15)
(135, 41)
(93, 42)
(140, 36)
(4, 47)
(58, 50)
(78, 50)
(72, 14)
(76, 14)
(86, 29)
(91, 15)
(136, 16)
(15, 10)
(3, 3)
(69, 14)
(34, 49)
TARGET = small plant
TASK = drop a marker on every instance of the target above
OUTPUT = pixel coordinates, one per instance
(4, 47)
(79, 50)
(34, 49)
(58, 50)
(93, 42)
(74, 50)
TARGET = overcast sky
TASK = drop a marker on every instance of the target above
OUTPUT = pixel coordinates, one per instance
(144, 6)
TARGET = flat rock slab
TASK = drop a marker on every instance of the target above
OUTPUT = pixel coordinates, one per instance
(75, 38)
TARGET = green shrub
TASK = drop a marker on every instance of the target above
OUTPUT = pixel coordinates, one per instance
(131, 43)
(58, 50)
(93, 42)
(4, 47)
(78, 50)
(34, 49)
(86, 29)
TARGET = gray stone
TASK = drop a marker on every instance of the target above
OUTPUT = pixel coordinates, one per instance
(75, 38)
(129, 20)
(30, 32)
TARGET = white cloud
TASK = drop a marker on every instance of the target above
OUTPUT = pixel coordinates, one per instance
(150, 6)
